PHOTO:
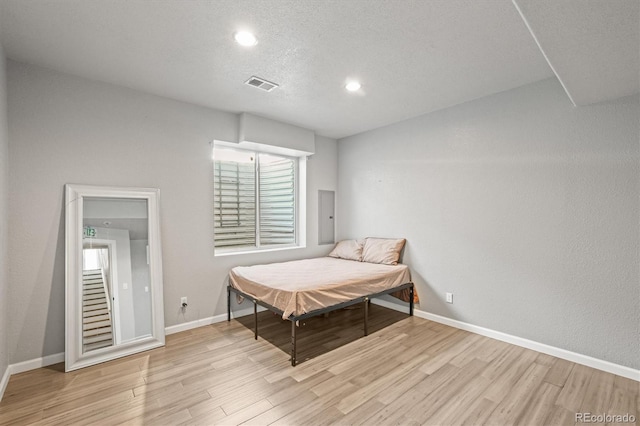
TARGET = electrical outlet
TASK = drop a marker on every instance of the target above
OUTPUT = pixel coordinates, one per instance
(183, 302)
(449, 297)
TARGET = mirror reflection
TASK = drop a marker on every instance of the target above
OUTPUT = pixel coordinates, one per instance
(116, 282)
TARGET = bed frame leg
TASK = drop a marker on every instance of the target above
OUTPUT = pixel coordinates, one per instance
(293, 343)
(411, 301)
(366, 316)
(255, 319)
(228, 303)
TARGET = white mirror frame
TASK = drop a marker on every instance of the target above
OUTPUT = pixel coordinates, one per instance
(74, 357)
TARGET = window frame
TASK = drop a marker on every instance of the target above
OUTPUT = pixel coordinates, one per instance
(298, 199)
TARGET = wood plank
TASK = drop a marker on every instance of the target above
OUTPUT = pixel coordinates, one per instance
(76, 409)
(559, 372)
(283, 408)
(625, 400)
(560, 416)
(444, 357)
(503, 383)
(597, 398)
(255, 393)
(539, 406)
(477, 413)
(209, 417)
(290, 392)
(502, 361)
(437, 399)
(177, 405)
(519, 396)
(411, 371)
(361, 414)
(575, 388)
(380, 385)
(463, 399)
(414, 398)
(316, 406)
(247, 413)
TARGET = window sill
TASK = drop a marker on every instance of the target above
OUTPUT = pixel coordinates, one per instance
(223, 252)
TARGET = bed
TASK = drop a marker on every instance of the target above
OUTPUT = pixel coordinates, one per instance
(301, 289)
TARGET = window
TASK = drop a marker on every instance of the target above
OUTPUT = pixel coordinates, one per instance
(255, 196)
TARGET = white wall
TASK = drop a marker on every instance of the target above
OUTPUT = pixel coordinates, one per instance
(4, 207)
(258, 130)
(523, 206)
(60, 126)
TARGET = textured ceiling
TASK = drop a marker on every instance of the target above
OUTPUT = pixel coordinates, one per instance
(593, 47)
(412, 57)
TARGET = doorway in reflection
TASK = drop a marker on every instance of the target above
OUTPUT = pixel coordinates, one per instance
(116, 278)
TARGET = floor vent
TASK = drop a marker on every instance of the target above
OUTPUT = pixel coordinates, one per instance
(261, 83)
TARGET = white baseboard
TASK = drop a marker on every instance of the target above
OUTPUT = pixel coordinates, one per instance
(596, 363)
(32, 364)
(209, 320)
(4, 382)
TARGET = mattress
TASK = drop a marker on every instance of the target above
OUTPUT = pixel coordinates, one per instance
(303, 286)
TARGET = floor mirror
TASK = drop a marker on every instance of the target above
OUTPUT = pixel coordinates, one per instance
(114, 304)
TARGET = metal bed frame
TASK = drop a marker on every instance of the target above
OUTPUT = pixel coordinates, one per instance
(296, 318)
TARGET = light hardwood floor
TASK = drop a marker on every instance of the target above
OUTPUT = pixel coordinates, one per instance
(407, 371)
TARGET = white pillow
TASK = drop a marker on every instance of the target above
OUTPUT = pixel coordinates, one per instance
(382, 250)
(348, 249)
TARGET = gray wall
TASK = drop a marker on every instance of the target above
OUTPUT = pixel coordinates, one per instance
(140, 278)
(4, 206)
(60, 126)
(523, 206)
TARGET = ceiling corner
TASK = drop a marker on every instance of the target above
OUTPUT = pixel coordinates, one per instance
(592, 47)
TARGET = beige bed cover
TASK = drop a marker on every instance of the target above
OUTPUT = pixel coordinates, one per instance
(302, 286)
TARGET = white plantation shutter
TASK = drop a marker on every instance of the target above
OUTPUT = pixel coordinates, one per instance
(240, 221)
(234, 204)
(277, 200)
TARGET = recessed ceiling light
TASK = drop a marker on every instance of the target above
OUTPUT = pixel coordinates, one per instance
(245, 38)
(353, 86)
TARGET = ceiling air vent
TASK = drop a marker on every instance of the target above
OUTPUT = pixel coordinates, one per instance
(261, 83)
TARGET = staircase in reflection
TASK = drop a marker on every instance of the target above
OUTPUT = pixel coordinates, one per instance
(97, 327)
